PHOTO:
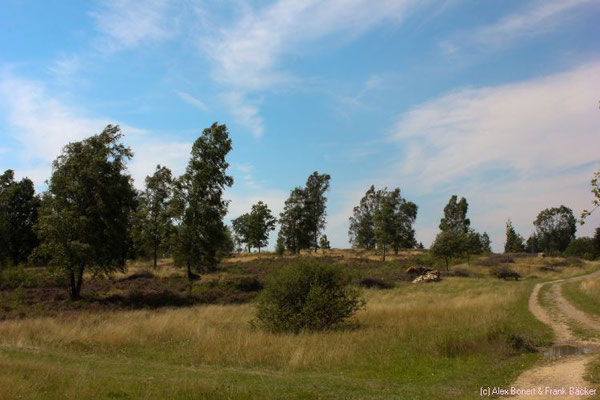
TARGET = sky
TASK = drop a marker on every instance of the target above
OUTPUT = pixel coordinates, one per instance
(497, 102)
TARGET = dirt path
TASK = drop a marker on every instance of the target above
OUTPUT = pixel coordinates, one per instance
(562, 372)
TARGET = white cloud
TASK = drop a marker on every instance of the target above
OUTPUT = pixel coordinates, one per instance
(43, 125)
(188, 98)
(512, 150)
(247, 57)
(540, 18)
(127, 23)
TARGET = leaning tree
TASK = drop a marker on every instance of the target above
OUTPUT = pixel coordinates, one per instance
(85, 216)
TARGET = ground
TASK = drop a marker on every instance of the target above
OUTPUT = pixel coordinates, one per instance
(149, 334)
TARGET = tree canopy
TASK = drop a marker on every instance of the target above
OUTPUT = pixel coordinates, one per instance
(455, 216)
(303, 216)
(199, 202)
(514, 241)
(252, 229)
(85, 216)
(18, 217)
(153, 225)
(555, 228)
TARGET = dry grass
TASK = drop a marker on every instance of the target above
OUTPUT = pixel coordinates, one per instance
(427, 319)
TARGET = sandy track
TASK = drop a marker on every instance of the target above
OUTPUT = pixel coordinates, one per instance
(563, 372)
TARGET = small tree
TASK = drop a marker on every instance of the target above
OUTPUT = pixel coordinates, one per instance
(315, 201)
(472, 244)
(253, 229)
(447, 245)
(280, 246)
(514, 241)
(324, 243)
(393, 221)
(18, 217)
(555, 228)
(241, 229)
(199, 200)
(152, 222)
(362, 222)
(486, 243)
(293, 222)
(85, 216)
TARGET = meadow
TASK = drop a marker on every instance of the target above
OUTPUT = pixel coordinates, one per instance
(439, 340)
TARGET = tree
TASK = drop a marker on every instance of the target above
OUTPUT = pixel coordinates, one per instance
(584, 247)
(393, 220)
(18, 217)
(303, 216)
(448, 244)
(253, 229)
(200, 204)
(85, 216)
(595, 184)
(555, 228)
(315, 201)
(241, 229)
(362, 222)
(280, 246)
(455, 216)
(324, 243)
(293, 230)
(514, 241)
(486, 243)
(153, 225)
(532, 245)
(471, 244)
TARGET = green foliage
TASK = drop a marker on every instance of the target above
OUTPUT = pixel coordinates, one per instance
(486, 243)
(448, 244)
(280, 246)
(306, 295)
(584, 247)
(199, 202)
(362, 221)
(303, 216)
(555, 228)
(455, 216)
(383, 218)
(18, 216)
(253, 229)
(394, 218)
(324, 243)
(152, 220)
(85, 214)
(514, 241)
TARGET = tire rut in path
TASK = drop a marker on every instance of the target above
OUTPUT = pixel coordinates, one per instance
(565, 371)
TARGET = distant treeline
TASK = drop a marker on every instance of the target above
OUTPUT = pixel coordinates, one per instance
(91, 218)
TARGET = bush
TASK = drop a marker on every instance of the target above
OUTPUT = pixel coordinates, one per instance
(505, 273)
(306, 295)
(583, 247)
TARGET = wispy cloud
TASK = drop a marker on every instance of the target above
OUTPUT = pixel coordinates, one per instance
(128, 23)
(539, 18)
(248, 57)
(43, 125)
(188, 98)
(513, 149)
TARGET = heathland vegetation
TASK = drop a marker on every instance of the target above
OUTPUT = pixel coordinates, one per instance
(111, 292)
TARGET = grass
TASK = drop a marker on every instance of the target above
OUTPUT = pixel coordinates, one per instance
(441, 341)
(585, 295)
(415, 341)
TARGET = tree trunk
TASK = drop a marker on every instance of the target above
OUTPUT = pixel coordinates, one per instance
(384, 252)
(446, 258)
(75, 281)
(155, 253)
(259, 249)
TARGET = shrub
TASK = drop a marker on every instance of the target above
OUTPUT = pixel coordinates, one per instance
(583, 247)
(505, 273)
(306, 295)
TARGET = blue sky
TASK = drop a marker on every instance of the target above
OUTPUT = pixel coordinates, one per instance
(493, 101)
